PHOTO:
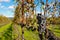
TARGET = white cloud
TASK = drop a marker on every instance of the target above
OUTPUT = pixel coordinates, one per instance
(4, 0)
(11, 7)
(2, 6)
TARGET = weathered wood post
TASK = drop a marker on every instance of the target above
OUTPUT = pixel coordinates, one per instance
(22, 22)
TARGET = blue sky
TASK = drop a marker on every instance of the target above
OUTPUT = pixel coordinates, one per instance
(7, 7)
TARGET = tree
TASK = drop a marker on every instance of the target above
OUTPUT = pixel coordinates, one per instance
(17, 13)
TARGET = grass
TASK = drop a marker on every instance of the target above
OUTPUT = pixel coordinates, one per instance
(4, 34)
(28, 34)
(5, 27)
(55, 29)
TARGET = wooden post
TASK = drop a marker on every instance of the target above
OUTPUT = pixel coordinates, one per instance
(22, 20)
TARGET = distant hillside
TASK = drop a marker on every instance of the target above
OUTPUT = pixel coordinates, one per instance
(4, 20)
(11, 18)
